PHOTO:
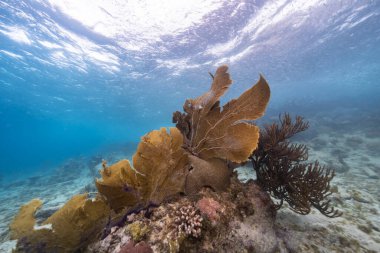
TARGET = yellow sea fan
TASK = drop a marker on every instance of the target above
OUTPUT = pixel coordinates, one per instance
(23, 223)
(214, 132)
(70, 228)
(159, 171)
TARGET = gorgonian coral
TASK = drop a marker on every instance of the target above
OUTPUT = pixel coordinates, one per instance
(159, 171)
(213, 132)
(214, 135)
(282, 170)
(74, 225)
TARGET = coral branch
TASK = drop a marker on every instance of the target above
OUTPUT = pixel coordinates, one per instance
(280, 169)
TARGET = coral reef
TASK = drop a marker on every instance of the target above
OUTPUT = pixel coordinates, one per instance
(137, 230)
(282, 171)
(117, 239)
(355, 192)
(244, 223)
(165, 164)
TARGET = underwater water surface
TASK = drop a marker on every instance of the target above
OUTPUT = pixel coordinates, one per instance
(82, 81)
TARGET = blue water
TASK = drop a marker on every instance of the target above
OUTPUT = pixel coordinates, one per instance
(80, 77)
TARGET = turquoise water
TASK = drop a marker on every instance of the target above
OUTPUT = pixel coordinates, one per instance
(80, 77)
(82, 81)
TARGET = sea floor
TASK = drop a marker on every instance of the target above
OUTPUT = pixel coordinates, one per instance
(353, 152)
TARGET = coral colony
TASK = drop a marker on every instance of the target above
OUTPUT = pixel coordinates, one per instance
(282, 171)
(181, 193)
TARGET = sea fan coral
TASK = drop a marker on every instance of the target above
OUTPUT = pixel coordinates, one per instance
(210, 132)
(169, 163)
(282, 171)
(217, 135)
(24, 221)
(159, 171)
(70, 228)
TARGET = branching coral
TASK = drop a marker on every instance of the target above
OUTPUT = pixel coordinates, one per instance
(188, 221)
(282, 170)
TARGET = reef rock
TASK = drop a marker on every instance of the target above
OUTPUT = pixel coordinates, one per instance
(241, 219)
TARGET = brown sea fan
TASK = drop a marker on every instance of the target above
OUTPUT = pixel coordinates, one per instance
(211, 131)
(159, 171)
(215, 135)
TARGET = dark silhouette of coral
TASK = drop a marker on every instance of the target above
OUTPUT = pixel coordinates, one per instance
(282, 170)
